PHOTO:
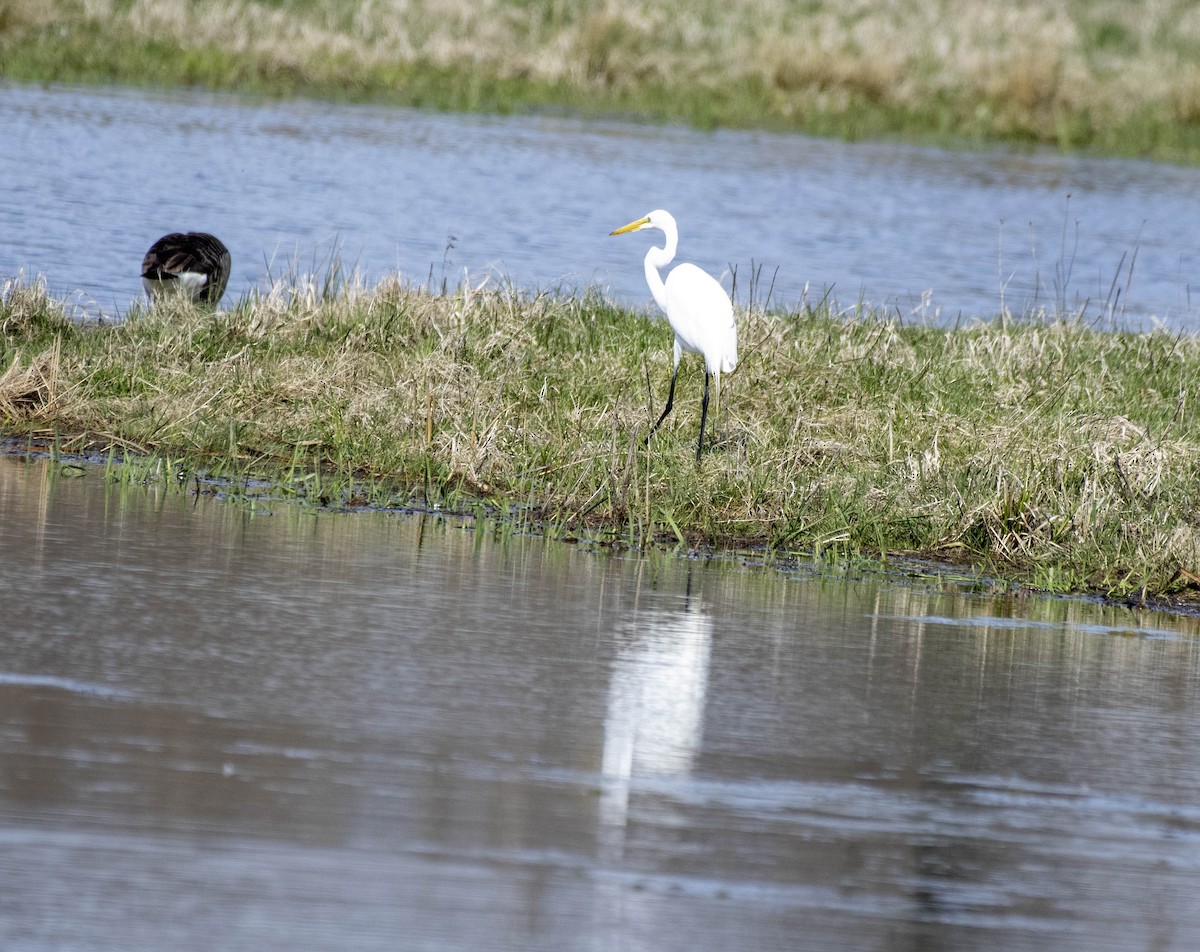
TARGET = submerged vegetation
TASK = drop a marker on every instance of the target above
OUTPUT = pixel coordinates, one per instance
(1041, 451)
(1119, 77)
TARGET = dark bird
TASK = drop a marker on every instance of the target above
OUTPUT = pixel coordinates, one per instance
(194, 262)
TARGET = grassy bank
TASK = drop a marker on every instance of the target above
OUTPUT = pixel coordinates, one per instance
(1118, 77)
(1044, 452)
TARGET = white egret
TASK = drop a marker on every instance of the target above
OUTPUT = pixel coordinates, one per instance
(697, 308)
(195, 262)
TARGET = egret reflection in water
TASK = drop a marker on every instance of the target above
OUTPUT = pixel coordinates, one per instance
(654, 716)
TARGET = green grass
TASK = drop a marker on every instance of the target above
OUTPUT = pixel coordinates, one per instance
(1119, 77)
(1041, 451)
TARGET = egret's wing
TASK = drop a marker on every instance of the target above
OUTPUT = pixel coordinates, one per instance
(701, 315)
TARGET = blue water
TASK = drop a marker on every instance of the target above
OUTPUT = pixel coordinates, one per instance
(93, 176)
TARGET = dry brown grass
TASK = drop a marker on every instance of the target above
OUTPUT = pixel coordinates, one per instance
(29, 388)
(28, 392)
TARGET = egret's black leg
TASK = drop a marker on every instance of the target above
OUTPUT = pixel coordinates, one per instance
(703, 416)
(670, 403)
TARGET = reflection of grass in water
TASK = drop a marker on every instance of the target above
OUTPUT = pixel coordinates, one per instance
(1119, 76)
(1041, 449)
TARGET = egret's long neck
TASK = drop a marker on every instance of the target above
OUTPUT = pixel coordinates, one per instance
(659, 258)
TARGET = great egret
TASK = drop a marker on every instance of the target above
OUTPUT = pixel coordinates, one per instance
(697, 308)
(194, 262)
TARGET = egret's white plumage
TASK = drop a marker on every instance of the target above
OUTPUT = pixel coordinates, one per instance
(697, 308)
(194, 262)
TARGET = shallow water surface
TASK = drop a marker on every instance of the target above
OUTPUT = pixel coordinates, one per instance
(93, 176)
(234, 729)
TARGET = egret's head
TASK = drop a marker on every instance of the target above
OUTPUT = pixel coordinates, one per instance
(656, 219)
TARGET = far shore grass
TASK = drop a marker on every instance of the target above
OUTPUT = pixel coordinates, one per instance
(1040, 451)
(1120, 77)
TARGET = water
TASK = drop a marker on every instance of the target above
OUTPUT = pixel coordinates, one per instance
(92, 177)
(224, 728)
